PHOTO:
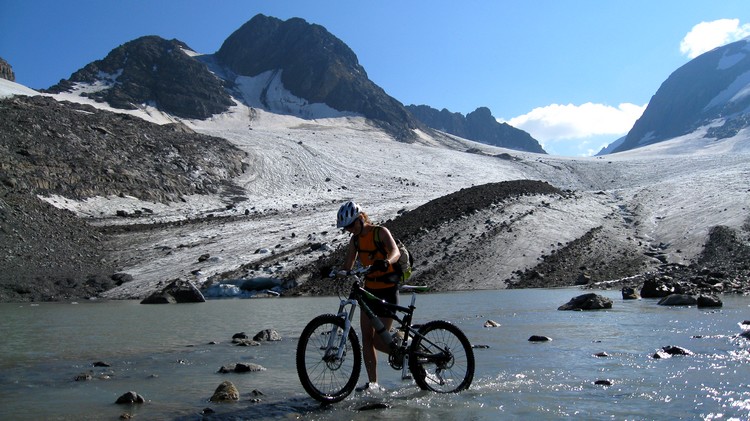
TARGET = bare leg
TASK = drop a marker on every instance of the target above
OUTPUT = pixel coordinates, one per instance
(370, 342)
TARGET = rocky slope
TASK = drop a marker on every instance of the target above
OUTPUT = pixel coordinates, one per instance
(77, 152)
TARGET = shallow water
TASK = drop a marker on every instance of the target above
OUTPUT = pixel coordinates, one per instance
(163, 353)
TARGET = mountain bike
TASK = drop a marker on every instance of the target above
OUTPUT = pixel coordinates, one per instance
(329, 355)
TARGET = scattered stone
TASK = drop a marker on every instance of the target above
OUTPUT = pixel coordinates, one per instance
(241, 368)
(245, 342)
(670, 350)
(226, 392)
(603, 382)
(629, 293)
(491, 323)
(101, 364)
(538, 338)
(678, 300)
(267, 335)
(709, 301)
(240, 335)
(83, 377)
(590, 301)
(480, 346)
(130, 398)
(601, 355)
(207, 411)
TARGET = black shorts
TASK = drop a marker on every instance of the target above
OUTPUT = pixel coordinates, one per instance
(390, 295)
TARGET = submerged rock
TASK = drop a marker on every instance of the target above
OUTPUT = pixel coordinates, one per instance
(226, 392)
(589, 301)
(130, 397)
(678, 300)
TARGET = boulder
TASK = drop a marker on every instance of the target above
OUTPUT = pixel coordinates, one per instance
(670, 350)
(589, 301)
(709, 301)
(678, 300)
(657, 288)
(628, 293)
(539, 338)
(130, 397)
(226, 392)
(178, 291)
(267, 335)
(491, 323)
(241, 368)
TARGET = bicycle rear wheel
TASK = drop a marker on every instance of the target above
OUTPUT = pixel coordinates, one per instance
(441, 358)
(324, 376)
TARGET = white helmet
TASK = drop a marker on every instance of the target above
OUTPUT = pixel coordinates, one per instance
(348, 212)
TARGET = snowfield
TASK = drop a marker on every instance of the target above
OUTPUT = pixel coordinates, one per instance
(665, 196)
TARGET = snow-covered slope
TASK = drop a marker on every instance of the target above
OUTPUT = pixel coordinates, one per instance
(666, 195)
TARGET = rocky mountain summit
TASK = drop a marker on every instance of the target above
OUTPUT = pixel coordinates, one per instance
(478, 125)
(710, 89)
(152, 70)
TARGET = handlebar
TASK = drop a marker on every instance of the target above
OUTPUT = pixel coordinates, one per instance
(343, 273)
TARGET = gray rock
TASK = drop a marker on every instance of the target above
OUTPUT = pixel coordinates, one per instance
(226, 392)
(678, 300)
(709, 301)
(589, 301)
(129, 398)
(267, 335)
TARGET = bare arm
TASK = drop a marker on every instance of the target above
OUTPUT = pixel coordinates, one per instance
(390, 245)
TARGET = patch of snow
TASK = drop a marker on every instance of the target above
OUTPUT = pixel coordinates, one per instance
(9, 89)
(737, 90)
(267, 91)
(728, 61)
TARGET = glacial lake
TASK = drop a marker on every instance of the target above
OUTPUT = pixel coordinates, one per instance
(171, 355)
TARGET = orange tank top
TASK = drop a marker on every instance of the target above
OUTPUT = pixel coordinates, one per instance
(368, 253)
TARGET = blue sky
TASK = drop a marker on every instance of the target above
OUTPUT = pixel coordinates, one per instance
(575, 74)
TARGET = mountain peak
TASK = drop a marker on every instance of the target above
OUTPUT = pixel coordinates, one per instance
(479, 125)
(152, 70)
(314, 65)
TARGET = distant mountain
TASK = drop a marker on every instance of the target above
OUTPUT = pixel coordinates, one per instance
(611, 147)
(312, 64)
(152, 70)
(478, 125)
(713, 87)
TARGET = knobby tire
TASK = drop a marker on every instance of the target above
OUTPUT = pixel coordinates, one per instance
(330, 380)
(448, 365)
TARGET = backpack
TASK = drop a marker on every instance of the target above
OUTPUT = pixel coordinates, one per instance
(405, 264)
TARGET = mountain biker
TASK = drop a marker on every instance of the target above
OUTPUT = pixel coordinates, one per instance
(381, 281)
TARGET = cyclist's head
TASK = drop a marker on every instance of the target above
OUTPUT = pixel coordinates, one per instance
(348, 213)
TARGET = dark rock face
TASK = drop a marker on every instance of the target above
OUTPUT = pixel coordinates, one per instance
(695, 94)
(479, 125)
(316, 66)
(153, 70)
(6, 71)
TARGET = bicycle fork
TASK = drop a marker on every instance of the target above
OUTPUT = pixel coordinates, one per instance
(335, 350)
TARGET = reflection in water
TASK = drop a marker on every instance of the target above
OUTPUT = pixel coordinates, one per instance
(171, 355)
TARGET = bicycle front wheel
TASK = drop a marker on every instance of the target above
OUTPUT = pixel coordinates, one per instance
(441, 358)
(325, 376)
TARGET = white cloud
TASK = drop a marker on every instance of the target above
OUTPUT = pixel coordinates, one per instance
(559, 122)
(706, 36)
